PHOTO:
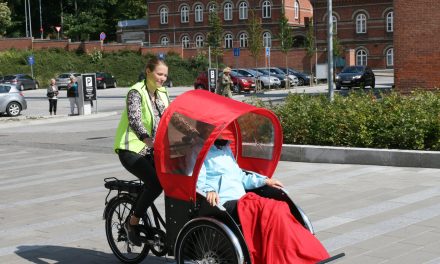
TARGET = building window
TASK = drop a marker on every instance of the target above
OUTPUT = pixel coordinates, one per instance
(335, 24)
(185, 42)
(227, 11)
(266, 9)
(164, 41)
(163, 15)
(243, 40)
(212, 8)
(184, 14)
(198, 13)
(243, 10)
(267, 39)
(390, 21)
(361, 57)
(296, 9)
(390, 57)
(228, 41)
(199, 41)
(361, 23)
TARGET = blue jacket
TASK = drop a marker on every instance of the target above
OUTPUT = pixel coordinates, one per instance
(221, 173)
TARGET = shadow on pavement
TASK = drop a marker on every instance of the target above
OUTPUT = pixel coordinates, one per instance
(44, 254)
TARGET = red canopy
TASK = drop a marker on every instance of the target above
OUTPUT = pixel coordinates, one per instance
(255, 135)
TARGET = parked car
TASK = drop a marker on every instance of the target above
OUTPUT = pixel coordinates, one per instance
(277, 72)
(104, 80)
(241, 83)
(355, 76)
(23, 81)
(303, 78)
(64, 78)
(258, 77)
(201, 81)
(12, 100)
(282, 77)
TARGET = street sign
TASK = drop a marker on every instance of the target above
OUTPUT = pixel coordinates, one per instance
(31, 60)
(212, 79)
(58, 28)
(161, 56)
(89, 86)
(267, 51)
(102, 36)
(236, 52)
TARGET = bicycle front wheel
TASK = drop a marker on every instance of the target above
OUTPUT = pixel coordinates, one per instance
(126, 252)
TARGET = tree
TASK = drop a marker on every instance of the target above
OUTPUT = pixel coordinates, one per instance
(285, 37)
(5, 18)
(82, 25)
(255, 36)
(310, 45)
(214, 38)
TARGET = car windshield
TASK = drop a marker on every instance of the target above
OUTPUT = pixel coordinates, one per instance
(99, 74)
(9, 77)
(264, 71)
(236, 74)
(276, 71)
(65, 75)
(353, 69)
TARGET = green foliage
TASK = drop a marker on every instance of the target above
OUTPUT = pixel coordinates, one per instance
(5, 18)
(255, 36)
(285, 35)
(214, 39)
(83, 24)
(361, 120)
(125, 65)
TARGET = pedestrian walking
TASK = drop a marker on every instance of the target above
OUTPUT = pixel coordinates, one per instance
(226, 83)
(52, 95)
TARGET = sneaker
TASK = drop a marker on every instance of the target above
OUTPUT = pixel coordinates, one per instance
(132, 232)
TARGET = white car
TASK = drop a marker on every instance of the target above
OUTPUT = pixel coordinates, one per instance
(64, 78)
(264, 80)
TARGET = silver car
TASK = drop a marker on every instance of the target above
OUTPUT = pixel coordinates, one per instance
(64, 78)
(12, 101)
(264, 80)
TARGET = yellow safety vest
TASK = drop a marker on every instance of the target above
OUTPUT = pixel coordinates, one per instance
(125, 138)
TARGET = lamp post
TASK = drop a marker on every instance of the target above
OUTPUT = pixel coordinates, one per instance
(26, 18)
(30, 18)
(41, 22)
(330, 49)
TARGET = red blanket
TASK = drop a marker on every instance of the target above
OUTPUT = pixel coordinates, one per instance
(273, 235)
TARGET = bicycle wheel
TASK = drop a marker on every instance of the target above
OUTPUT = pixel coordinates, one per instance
(204, 241)
(116, 236)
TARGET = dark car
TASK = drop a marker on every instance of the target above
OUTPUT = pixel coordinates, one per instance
(12, 101)
(104, 80)
(303, 78)
(355, 76)
(23, 81)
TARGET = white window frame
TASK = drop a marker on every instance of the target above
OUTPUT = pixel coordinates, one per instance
(243, 10)
(228, 41)
(185, 41)
(296, 9)
(361, 57)
(390, 21)
(335, 24)
(198, 13)
(163, 15)
(244, 40)
(361, 23)
(184, 14)
(266, 9)
(267, 39)
(227, 11)
(212, 8)
(199, 41)
(390, 57)
(164, 41)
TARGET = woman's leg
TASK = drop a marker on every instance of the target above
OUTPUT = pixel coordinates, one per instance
(55, 102)
(50, 106)
(72, 105)
(142, 167)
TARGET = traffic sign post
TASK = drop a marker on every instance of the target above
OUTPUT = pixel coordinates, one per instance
(212, 79)
(31, 62)
(58, 28)
(268, 61)
(102, 36)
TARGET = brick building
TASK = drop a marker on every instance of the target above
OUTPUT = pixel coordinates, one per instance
(416, 40)
(366, 26)
(186, 22)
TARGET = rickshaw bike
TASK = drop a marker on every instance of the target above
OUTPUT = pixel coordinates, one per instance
(194, 231)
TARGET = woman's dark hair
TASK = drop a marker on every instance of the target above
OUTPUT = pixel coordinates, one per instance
(152, 63)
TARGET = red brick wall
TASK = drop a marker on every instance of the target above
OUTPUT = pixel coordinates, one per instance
(47, 44)
(15, 43)
(416, 42)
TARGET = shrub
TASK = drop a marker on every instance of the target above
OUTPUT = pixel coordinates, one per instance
(362, 120)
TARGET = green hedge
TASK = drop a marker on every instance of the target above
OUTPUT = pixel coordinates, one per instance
(125, 65)
(361, 120)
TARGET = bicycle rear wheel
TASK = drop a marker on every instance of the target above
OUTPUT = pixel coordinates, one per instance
(116, 236)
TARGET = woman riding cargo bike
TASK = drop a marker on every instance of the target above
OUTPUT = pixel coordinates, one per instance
(254, 136)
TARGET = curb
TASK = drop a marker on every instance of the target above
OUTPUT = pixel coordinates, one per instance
(362, 156)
